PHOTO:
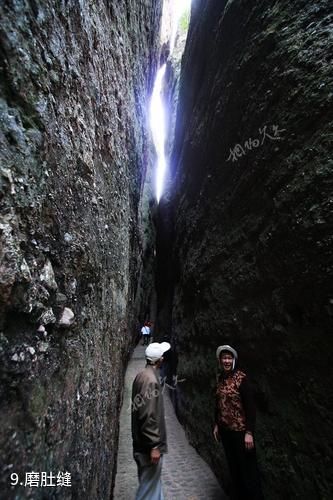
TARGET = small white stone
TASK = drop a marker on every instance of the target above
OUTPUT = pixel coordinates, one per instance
(47, 276)
(47, 317)
(22, 356)
(67, 317)
(41, 329)
(31, 350)
(42, 346)
(68, 237)
(15, 358)
(25, 270)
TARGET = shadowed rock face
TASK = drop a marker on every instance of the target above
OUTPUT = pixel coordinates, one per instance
(252, 240)
(74, 153)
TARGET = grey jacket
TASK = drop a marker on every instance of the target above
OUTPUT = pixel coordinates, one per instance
(148, 424)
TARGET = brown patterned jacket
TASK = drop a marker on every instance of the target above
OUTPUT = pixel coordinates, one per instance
(235, 408)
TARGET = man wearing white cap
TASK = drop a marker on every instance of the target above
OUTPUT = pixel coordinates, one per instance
(148, 424)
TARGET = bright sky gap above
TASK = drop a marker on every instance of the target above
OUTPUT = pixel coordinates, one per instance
(158, 115)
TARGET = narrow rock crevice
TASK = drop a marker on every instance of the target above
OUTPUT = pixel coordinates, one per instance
(238, 250)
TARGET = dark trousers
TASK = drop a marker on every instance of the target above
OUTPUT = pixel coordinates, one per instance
(242, 465)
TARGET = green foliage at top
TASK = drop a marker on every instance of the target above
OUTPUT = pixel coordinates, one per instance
(184, 21)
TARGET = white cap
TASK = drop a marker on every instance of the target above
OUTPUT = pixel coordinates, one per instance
(227, 348)
(155, 350)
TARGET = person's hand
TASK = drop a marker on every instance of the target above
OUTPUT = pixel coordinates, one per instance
(216, 432)
(155, 456)
(249, 443)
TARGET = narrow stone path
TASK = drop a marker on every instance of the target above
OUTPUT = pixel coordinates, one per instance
(185, 476)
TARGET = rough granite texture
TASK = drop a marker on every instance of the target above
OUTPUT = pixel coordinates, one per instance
(252, 230)
(74, 150)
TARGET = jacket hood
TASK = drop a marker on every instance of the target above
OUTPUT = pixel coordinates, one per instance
(229, 349)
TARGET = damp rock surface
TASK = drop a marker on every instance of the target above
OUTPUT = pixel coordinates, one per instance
(250, 230)
(74, 152)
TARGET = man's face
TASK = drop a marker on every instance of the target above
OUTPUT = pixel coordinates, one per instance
(226, 361)
(159, 362)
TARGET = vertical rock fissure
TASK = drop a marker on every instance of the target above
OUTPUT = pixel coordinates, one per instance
(163, 104)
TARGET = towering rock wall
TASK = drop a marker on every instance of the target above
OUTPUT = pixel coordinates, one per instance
(252, 241)
(74, 152)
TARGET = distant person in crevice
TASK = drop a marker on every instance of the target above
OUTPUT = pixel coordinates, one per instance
(145, 332)
(235, 415)
(167, 373)
(151, 331)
